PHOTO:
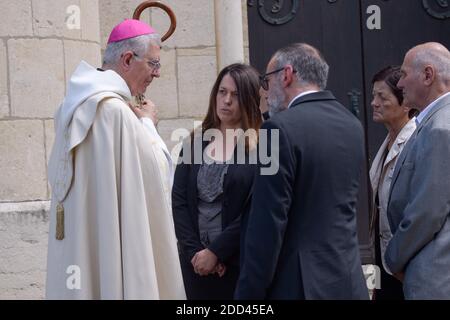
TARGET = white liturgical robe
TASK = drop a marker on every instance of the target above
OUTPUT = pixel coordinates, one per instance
(118, 235)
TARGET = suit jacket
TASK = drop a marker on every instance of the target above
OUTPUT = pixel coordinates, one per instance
(237, 192)
(301, 240)
(419, 208)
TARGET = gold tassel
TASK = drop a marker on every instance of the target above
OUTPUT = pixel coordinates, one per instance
(59, 222)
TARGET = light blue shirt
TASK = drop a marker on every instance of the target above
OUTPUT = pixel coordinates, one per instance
(427, 110)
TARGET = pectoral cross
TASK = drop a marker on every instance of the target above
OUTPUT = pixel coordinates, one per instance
(140, 98)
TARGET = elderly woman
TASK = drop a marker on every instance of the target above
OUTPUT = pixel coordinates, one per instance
(390, 109)
(210, 196)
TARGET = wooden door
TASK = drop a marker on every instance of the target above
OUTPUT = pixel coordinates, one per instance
(357, 38)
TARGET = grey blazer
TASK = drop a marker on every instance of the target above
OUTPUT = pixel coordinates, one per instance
(419, 208)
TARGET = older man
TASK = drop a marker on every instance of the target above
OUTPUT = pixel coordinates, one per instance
(419, 205)
(300, 241)
(111, 229)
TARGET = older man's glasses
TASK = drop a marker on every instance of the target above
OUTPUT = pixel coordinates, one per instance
(154, 64)
(264, 79)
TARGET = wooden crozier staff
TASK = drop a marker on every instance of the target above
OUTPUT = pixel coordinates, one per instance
(140, 98)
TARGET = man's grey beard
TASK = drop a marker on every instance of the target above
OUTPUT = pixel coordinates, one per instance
(276, 101)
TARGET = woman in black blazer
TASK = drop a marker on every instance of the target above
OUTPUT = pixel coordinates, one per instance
(213, 185)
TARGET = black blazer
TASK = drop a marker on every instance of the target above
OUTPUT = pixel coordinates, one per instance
(237, 193)
(301, 240)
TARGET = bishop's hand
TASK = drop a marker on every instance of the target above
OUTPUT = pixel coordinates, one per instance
(146, 109)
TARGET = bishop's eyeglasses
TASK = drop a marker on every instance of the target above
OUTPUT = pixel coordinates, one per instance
(155, 64)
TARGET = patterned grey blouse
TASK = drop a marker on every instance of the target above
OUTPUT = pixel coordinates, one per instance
(210, 181)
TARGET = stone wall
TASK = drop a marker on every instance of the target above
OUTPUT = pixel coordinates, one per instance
(23, 249)
(41, 43)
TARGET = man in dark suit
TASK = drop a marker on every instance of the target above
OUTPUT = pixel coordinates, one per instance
(419, 202)
(300, 238)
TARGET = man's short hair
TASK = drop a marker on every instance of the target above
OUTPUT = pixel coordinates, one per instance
(440, 59)
(309, 63)
(138, 45)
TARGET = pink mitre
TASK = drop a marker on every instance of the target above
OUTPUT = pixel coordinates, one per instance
(129, 28)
